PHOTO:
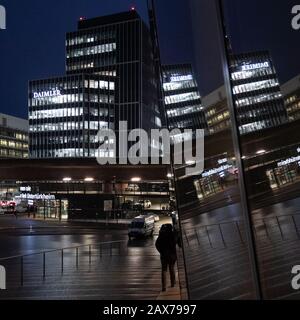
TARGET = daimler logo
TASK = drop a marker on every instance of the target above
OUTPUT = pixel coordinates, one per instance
(2, 278)
(248, 67)
(46, 94)
(2, 18)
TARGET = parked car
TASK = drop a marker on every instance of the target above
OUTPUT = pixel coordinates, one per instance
(155, 216)
(141, 227)
(142, 204)
(147, 204)
(21, 207)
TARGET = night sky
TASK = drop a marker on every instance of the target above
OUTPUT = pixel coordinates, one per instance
(33, 46)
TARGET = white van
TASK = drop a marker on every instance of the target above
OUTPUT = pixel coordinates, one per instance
(21, 207)
(141, 226)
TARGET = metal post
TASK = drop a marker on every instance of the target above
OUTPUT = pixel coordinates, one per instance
(208, 236)
(222, 236)
(186, 237)
(44, 209)
(266, 228)
(111, 249)
(90, 254)
(22, 271)
(77, 258)
(197, 237)
(44, 265)
(237, 146)
(100, 250)
(239, 232)
(295, 224)
(60, 210)
(62, 261)
(280, 229)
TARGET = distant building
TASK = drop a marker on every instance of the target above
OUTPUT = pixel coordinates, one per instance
(216, 110)
(13, 137)
(110, 78)
(182, 98)
(291, 93)
(256, 92)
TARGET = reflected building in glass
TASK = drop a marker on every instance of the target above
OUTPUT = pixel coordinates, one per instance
(110, 78)
(256, 92)
(182, 98)
(291, 93)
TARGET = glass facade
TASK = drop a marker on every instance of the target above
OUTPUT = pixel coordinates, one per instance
(65, 115)
(110, 78)
(256, 91)
(13, 137)
(182, 98)
(291, 92)
(119, 45)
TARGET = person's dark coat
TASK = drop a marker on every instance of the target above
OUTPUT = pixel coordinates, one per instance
(166, 243)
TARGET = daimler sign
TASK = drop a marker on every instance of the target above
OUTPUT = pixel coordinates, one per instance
(248, 67)
(46, 94)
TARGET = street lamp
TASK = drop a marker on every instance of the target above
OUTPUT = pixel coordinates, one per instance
(67, 179)
(89, 179)
(261, 152)
(136, 179)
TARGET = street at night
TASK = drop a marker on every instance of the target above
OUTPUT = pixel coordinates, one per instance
(149, 153)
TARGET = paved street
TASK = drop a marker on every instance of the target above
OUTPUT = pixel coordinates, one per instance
(125, 270)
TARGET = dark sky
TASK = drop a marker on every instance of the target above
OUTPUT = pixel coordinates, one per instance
(32, 47)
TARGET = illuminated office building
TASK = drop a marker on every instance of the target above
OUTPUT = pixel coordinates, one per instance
(66, 114)
(182, 98)
(256, 92)
(291, 93)
(216, 110)
(13, 137)
(110, 77)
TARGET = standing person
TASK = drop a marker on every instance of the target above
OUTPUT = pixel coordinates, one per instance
(166, 246)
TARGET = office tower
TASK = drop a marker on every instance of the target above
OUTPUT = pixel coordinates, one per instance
(13, 137)
(182, 98)
(216, 110)
(256, 92)
(110, 77)
(291, 93)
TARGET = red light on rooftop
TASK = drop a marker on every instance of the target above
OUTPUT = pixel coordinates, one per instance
(132, 8)
(82, 18)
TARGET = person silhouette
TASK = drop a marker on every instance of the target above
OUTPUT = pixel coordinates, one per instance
(166, 246)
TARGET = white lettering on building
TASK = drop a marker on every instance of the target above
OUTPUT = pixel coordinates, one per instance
(288, 161)
(35, 197)
(46, 94)
(217, 170)
(247, 67)
(181, 78)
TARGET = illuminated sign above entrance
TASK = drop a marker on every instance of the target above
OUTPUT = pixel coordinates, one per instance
(46, 94)
(248, 67)
(35, 196)
(288, 161)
